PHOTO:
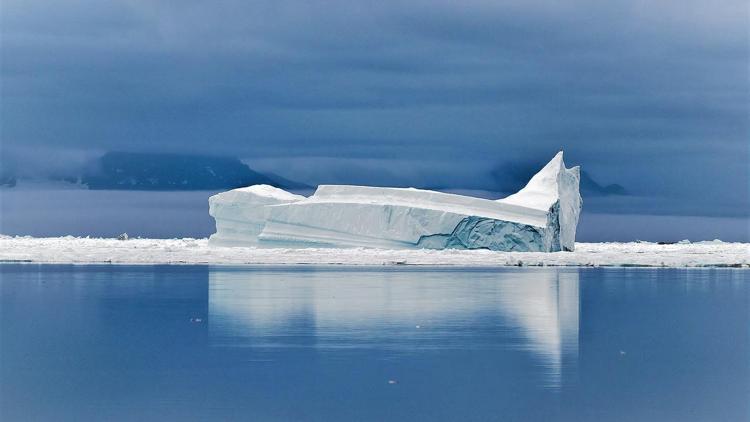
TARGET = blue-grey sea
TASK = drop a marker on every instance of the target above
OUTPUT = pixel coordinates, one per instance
(204, 343)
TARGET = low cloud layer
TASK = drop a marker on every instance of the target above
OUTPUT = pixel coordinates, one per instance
(653, 96)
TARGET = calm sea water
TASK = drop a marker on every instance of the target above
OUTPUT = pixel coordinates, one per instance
(308, 343)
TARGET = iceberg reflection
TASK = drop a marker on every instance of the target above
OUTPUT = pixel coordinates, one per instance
(534, 311)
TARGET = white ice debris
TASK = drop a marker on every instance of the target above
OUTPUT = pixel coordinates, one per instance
(198, 251)
(542, 217)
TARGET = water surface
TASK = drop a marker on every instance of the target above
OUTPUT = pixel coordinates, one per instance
(336, 343)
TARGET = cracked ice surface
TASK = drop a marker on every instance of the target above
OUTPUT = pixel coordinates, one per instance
(198, 251)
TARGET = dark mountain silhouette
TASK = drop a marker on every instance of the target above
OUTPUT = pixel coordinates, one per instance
(590, 186)
(283, 182)
(145, 171)
(8, 181)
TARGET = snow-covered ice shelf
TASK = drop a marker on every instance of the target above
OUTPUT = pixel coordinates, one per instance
(198, 251)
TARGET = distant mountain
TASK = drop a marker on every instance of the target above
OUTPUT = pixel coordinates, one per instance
(285, 183)
(512, 177)
(7, 181)
(590, 186)
(144, 171)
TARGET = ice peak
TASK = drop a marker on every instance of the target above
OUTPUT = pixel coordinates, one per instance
(542, 190)
(554, 186)
(551, 169)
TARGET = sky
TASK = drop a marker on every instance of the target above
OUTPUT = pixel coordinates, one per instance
(650, 95)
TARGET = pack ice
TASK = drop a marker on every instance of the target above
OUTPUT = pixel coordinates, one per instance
(541, 217)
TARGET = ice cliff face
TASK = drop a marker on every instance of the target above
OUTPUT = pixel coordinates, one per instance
(242, 213)
(541, 217)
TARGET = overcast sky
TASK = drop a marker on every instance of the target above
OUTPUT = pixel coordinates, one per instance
(650, 95)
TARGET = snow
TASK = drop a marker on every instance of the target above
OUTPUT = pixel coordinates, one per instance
(198, 251)
(270, 192)
(541, 217)
(541, 191)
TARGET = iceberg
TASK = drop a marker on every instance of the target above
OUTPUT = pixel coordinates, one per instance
(541, 217)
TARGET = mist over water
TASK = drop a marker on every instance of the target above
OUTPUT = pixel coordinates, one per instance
(167, 214)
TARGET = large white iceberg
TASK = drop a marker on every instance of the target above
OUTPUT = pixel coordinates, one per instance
(541, 217)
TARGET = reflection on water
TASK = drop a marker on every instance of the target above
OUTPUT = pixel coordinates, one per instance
(532, 310)
(546, 310)
(197, 343)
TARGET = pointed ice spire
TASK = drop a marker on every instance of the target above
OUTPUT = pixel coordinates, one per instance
(554, 185)
(541, 191)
